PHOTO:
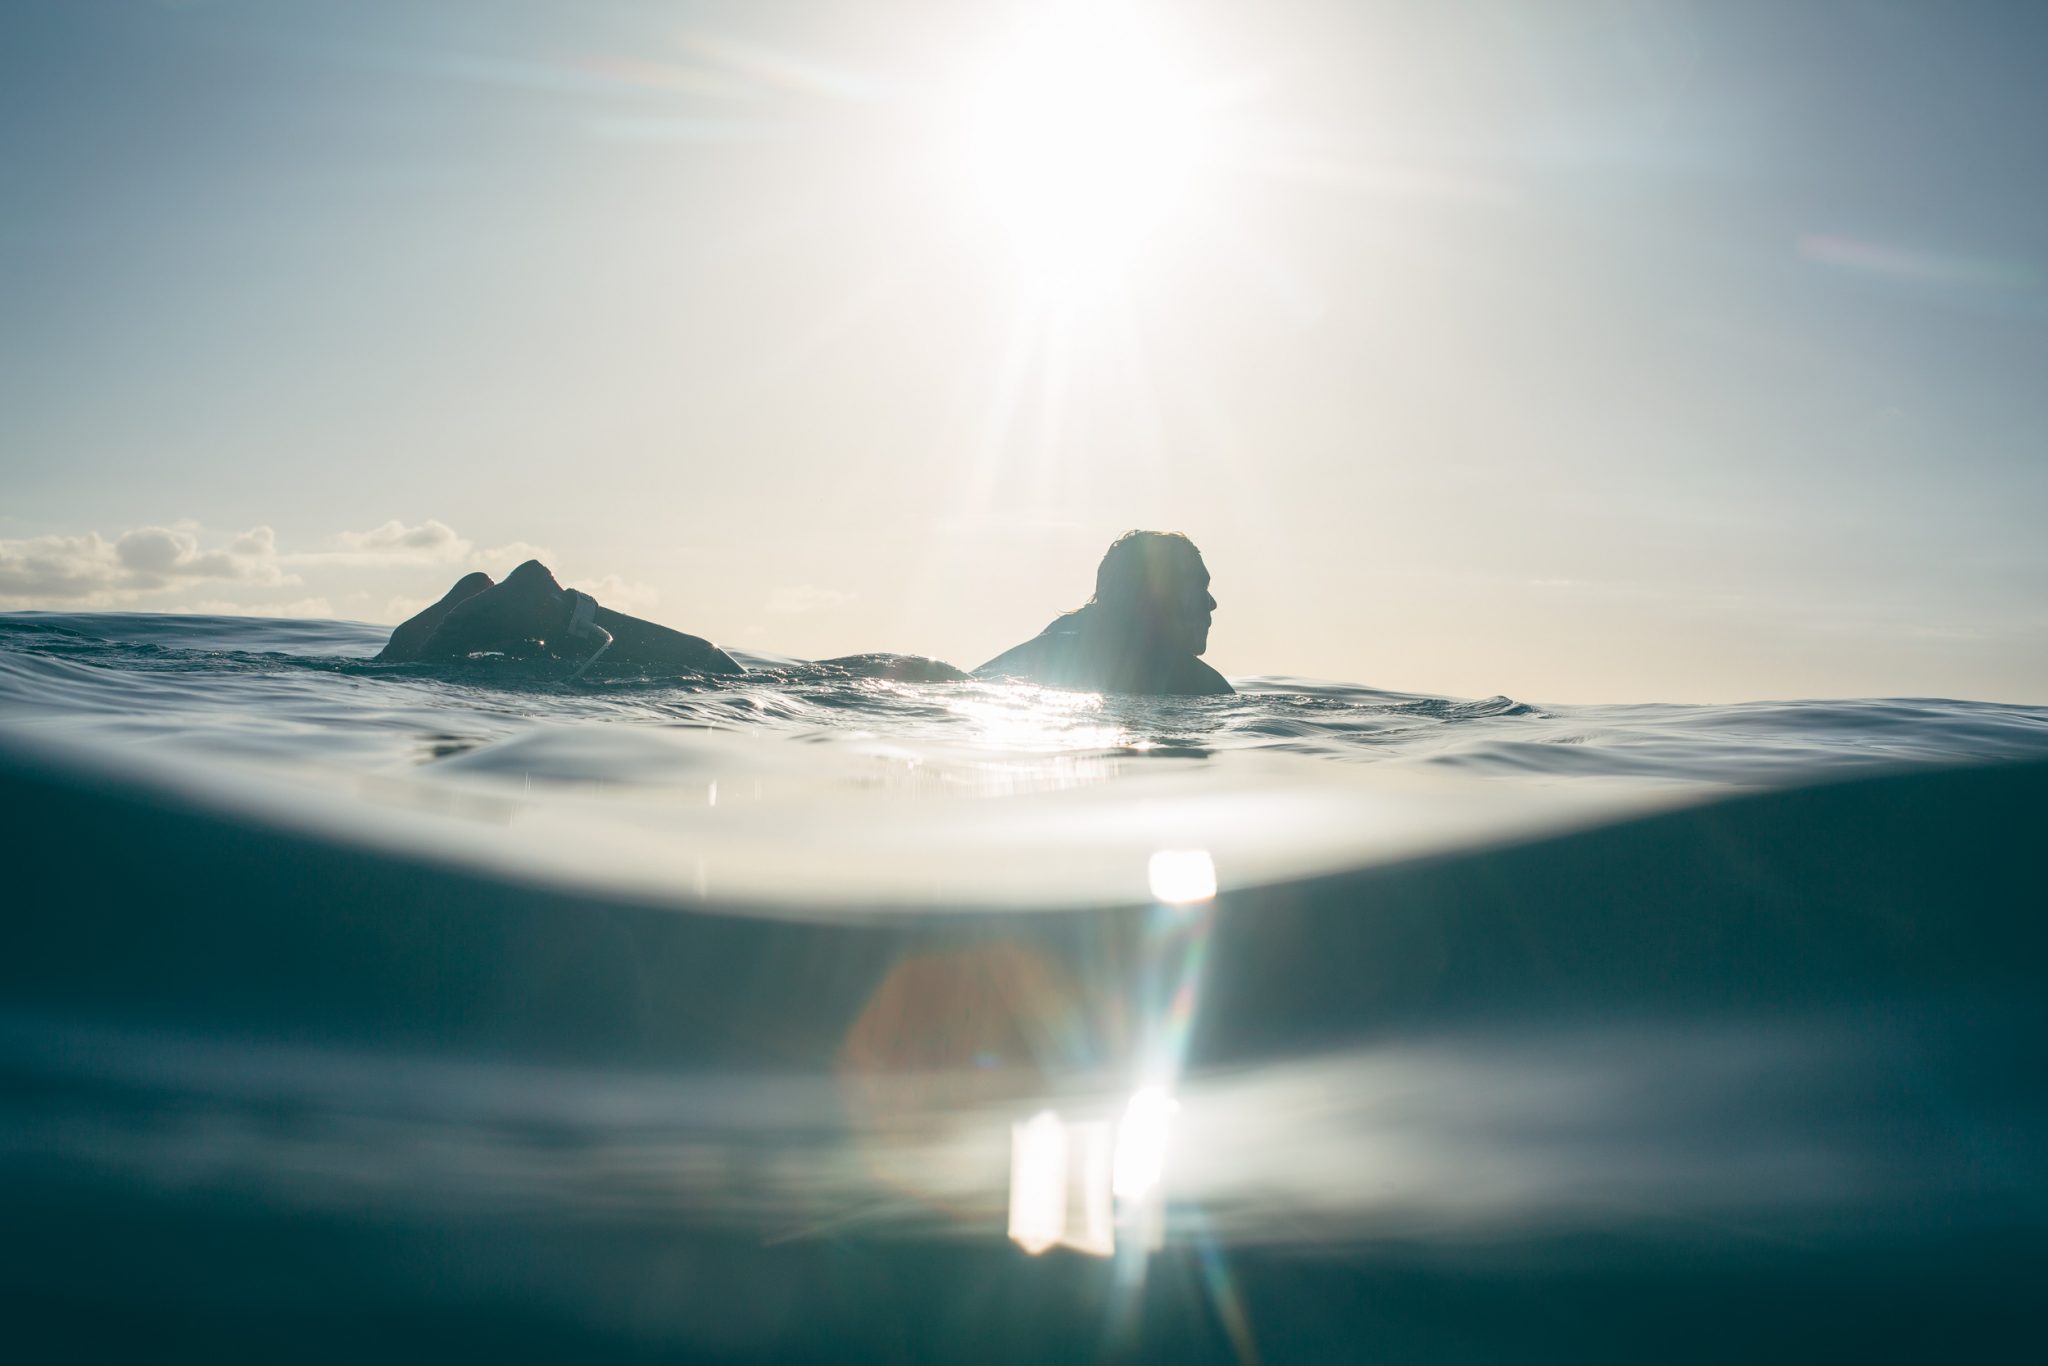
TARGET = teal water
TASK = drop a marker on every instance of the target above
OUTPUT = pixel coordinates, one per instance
(350, 1009)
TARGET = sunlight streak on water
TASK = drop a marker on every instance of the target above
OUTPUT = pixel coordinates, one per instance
(1060, 1186)
(1661, 1130)
(1078, 1184)
(1141, 1144)
(1023, 716)
(1038, 1182)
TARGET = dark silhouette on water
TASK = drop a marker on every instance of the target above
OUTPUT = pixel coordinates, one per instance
(531, 615)
(1140, 633)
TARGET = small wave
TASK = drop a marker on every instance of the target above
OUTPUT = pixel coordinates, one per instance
(209, 682)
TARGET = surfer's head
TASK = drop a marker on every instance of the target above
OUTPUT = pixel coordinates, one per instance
(1154, 582)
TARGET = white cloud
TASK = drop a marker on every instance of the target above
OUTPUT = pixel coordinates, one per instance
(91, 571)
(63, 568)
(181, 567)
(297, 607)
(622, 595)
(803, 598)
(259, 540)
(403, 607)
(503, 559)
(431, 542)
(155, 549)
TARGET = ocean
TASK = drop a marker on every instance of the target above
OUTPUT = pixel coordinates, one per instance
(349, 1007)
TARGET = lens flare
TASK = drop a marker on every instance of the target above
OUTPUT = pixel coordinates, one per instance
(1141, 1142)
(1181, 877)
(1038, 1182)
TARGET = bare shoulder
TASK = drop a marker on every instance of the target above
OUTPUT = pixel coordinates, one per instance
(1207, 682)
(1034, 658)
(1019, 661)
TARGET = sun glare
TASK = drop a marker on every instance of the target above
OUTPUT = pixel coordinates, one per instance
(1082, 138)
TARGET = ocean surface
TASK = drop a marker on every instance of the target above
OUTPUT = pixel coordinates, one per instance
(801, 786)
(818, 1015)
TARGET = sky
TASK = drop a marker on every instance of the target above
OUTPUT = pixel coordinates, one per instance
(1573, 351)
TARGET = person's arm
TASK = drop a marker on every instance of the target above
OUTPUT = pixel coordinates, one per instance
(530, 611)
(654, 646)
(409, 638)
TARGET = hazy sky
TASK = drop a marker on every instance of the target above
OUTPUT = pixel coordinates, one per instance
(1574, 351)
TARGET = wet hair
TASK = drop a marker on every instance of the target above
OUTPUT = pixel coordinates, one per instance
(1141, 567)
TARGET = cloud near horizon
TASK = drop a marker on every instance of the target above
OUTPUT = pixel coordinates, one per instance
(802, 599)
(431, 542)
(92, 571)
(180, 568)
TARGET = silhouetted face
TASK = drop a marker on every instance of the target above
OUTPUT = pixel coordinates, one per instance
(1178, 608)
(1189, 608)
(1156, 587)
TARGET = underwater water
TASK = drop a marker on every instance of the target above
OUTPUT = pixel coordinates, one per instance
(819, 1015)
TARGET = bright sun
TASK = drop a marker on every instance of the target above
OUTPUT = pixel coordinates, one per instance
(1081, 140)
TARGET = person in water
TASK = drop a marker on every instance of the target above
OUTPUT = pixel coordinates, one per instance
(1140, 633)
(532, 616)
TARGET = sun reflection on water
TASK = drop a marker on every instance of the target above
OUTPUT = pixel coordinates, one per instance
(1022, 716)
(1050, 740)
